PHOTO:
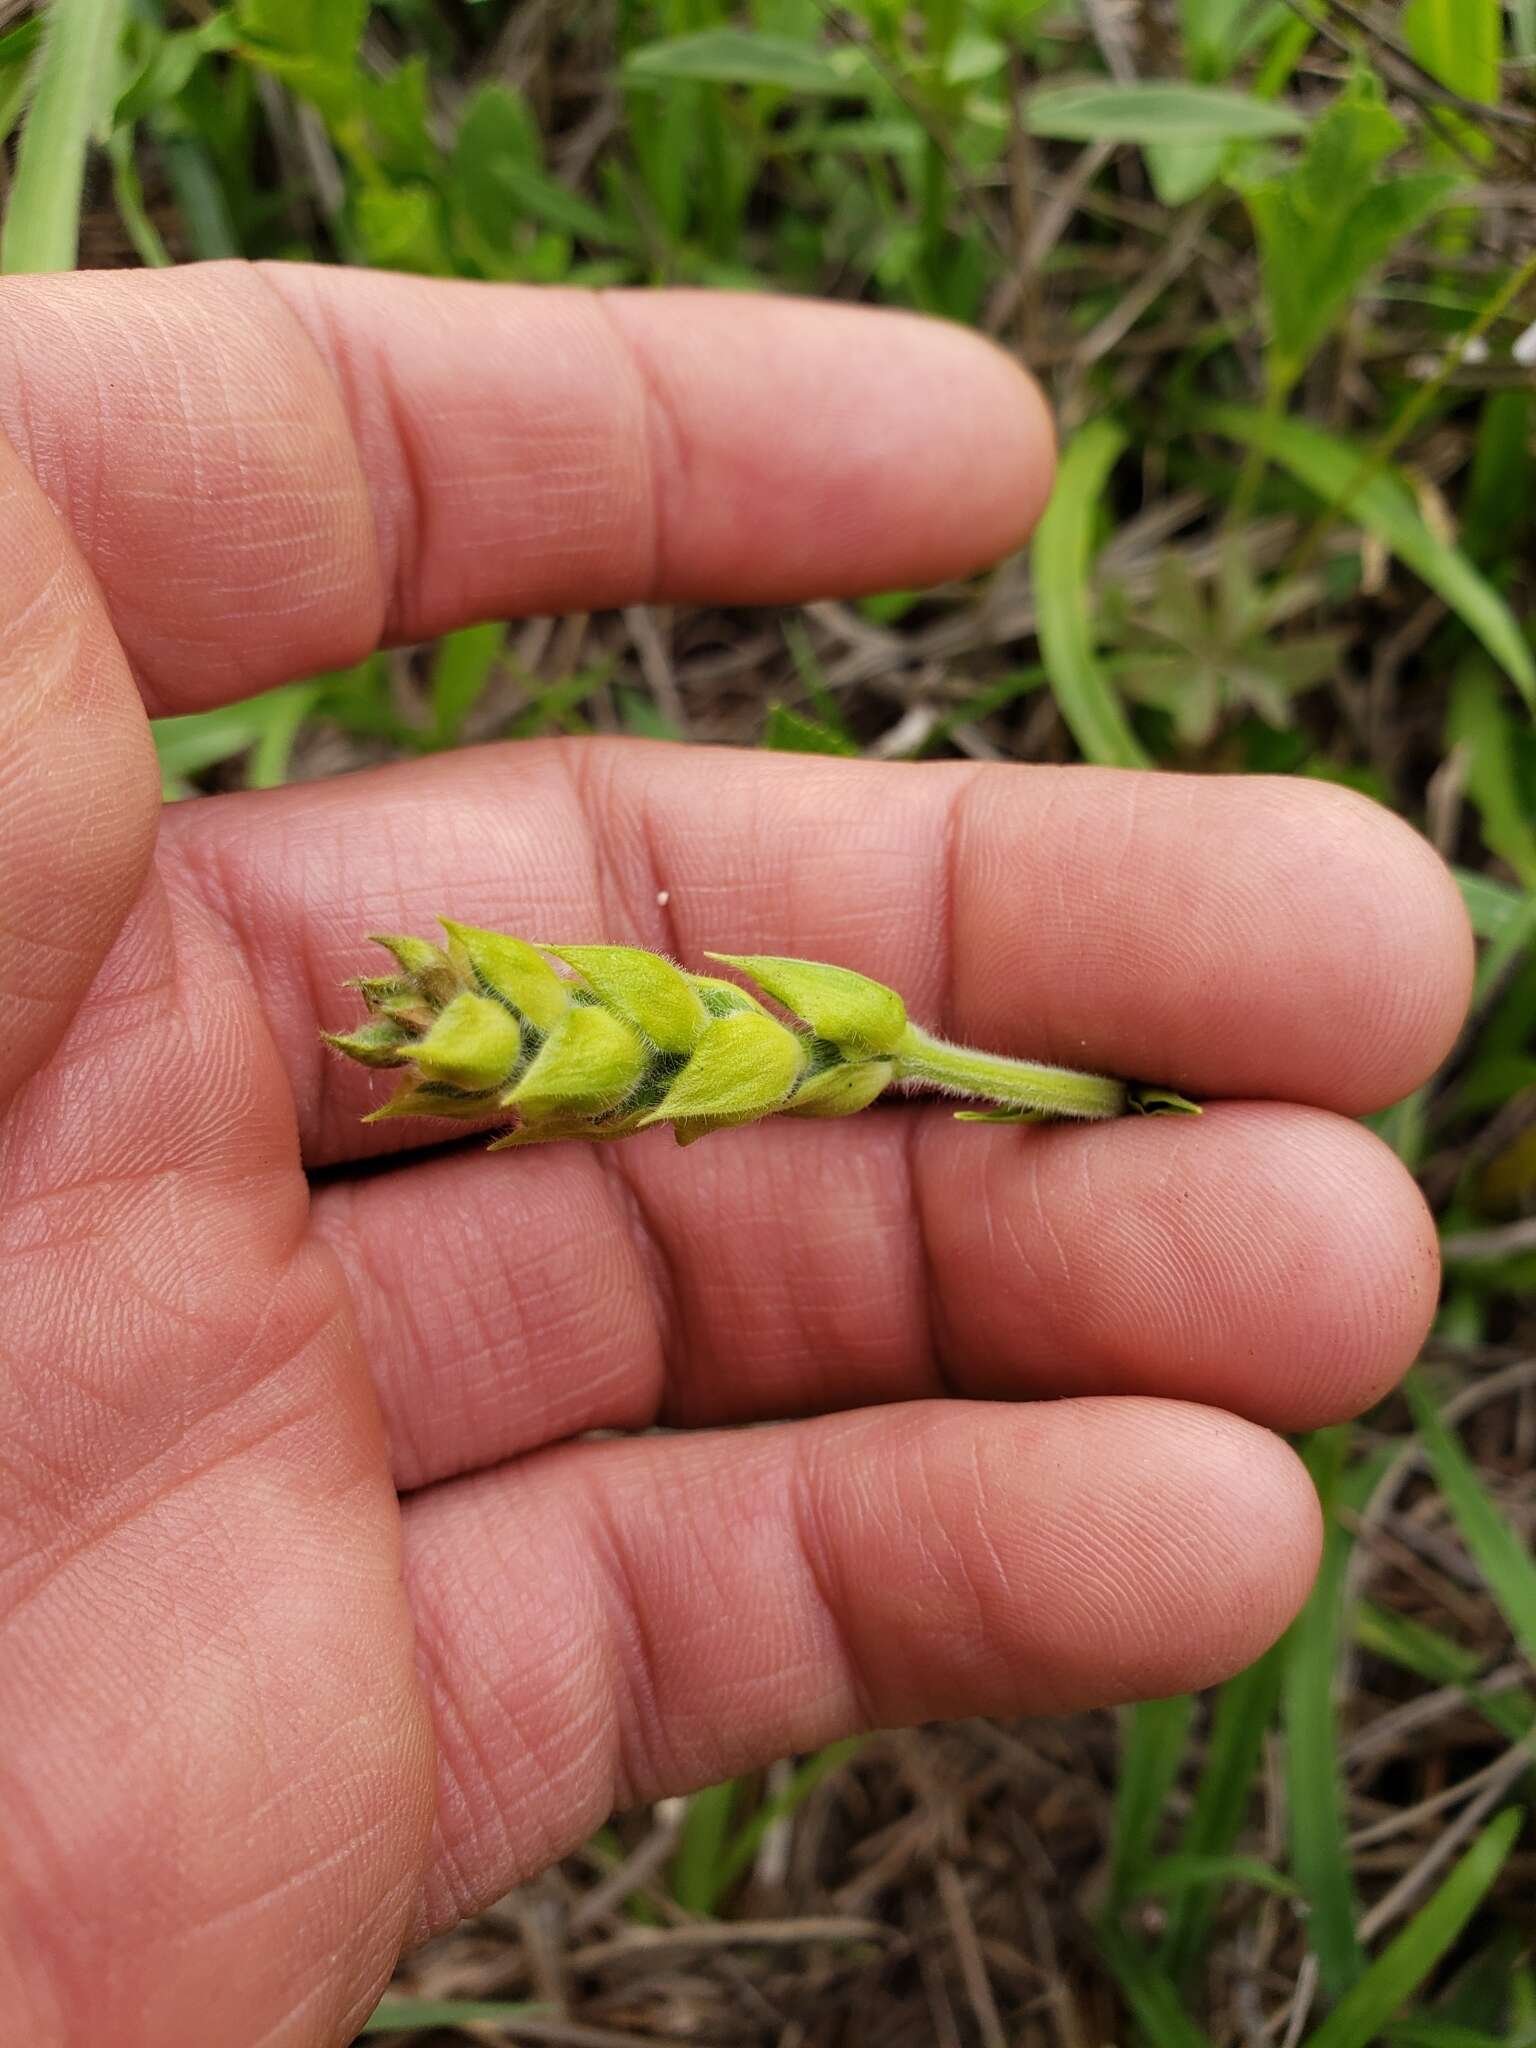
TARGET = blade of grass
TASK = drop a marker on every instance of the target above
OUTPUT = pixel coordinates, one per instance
(1170, 1875)
(1497, 1550)
(1150, 1993)
(1319, 1843)
(1152, 1742)
(1427, 1653)
(1406, 1963)
(696, 1881)
(1062, 558)
(408, 2015)
(1244, 1711)
(74, 69)
(1329, 467)
(748, 1839)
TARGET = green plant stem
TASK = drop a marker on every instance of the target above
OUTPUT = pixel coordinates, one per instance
(1053, 1091)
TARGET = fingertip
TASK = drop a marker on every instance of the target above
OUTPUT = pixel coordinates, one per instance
(1399, 932)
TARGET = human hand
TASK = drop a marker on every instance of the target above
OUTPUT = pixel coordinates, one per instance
(317, 1630)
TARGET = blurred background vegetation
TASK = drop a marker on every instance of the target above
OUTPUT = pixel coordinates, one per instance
(1271, 259)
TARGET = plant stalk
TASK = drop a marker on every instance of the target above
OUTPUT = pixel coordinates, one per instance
(1020, 1084)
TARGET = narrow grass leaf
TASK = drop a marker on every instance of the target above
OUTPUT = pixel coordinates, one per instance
(1243, 1714)
(1406, 1963)
(1062, 560)
(1153, 112)
(791, 732)
(696, 1866)
(1314, 1793)
(1497, 1549)
(1415, 1647)
(748, 1838)
(461, 670)
(1150, 1993)
(1169, 1875)
(408, 2015)
(1332, 469)
(1447, 2034)
(69, 98)
(1153, 1736)
(18, 47)
(733, 56)
(1479, 723)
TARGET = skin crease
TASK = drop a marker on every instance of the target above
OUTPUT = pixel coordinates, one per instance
(317, 1627)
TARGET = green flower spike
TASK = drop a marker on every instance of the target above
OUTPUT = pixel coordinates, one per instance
(600, 1041)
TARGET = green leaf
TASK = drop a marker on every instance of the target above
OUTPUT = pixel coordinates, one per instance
(1336, 470)
(1169, 1875)
(1150, 1993)
(70, 94)
(1243, 1713)
(1152, 1741)
(1478, 721)
(696, 1866)
(1460, 42)
(1315, 1798)
(1062, 560)
(18, 47)
(461, 669)
(1406, 1963)
(411, 2015)
(1154, 112)
(1326, 222)
(1497, 1549)
(748, 1838)
(791, 732)
(733, 56)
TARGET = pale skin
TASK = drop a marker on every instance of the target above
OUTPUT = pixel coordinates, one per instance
(317, 1627)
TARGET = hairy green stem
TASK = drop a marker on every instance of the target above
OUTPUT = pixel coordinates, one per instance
(1021, 1084)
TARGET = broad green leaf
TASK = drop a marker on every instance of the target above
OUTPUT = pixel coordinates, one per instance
(323, 32)
(70, 94)
(1314, 1791)
(1497, 1549)
(732, 56)
(499, 181)
(1061, 563)
(1152, 1740)
(1459, 42)
(1338, 472)
(1406, 1963)
(1328, 221)
(1153, 112)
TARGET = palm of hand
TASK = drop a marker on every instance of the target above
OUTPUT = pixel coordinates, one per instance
(316, 1628)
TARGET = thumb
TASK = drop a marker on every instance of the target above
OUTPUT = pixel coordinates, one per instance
(79, 791)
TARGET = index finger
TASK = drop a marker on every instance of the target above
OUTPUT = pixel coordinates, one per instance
(272, 470)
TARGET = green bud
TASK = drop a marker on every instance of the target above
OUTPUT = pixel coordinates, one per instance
(401, 1001)
(428, 966)
(742, 1067)
(643, 989)
(589, 1062)
(431, 1098)
(848, 1008)
(511, 969)
(381, 1044)
(842, 1090)
(474, 1045)
(724, 998)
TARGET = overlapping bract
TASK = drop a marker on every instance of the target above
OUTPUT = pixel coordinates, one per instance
(600, 1041)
